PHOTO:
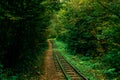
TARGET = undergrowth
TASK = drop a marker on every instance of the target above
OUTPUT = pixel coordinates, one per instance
(93, 69)
(31, 70)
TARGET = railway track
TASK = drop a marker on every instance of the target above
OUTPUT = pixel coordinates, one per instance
(65, 69)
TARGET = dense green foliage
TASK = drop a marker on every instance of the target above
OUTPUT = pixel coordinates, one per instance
(90, 28)
(22, 33)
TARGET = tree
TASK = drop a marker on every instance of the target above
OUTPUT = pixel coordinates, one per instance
(22, 29)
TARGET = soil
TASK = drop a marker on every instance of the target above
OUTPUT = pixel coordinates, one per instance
(50, 72)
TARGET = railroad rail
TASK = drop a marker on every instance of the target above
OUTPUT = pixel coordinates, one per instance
(68, 72)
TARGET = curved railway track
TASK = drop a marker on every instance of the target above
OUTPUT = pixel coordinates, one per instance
(67, 71)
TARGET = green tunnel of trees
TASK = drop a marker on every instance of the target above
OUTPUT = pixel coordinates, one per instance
(88, 27)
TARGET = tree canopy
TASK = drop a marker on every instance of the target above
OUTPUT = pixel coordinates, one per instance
(90, 28)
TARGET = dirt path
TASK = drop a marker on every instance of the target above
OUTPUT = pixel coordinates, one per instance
(49, 66)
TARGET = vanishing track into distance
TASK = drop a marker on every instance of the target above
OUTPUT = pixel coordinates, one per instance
(67, 71)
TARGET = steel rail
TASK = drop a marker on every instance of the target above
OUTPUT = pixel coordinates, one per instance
(57, 55)
(63, 70)
(76, 70)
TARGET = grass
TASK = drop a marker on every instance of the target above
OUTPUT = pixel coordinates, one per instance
(92, 69)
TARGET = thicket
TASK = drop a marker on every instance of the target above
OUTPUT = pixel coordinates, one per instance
(90, 28)
(23, 25)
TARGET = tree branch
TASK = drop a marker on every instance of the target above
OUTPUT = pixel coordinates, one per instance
(113, 12)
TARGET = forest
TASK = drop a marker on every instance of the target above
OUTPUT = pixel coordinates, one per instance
(89, 28)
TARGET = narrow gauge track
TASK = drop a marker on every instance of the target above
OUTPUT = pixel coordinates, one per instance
(68, 71)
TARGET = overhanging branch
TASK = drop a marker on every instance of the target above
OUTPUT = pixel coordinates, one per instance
(111, 11)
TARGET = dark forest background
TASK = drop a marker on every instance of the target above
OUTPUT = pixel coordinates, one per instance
(91, 28)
